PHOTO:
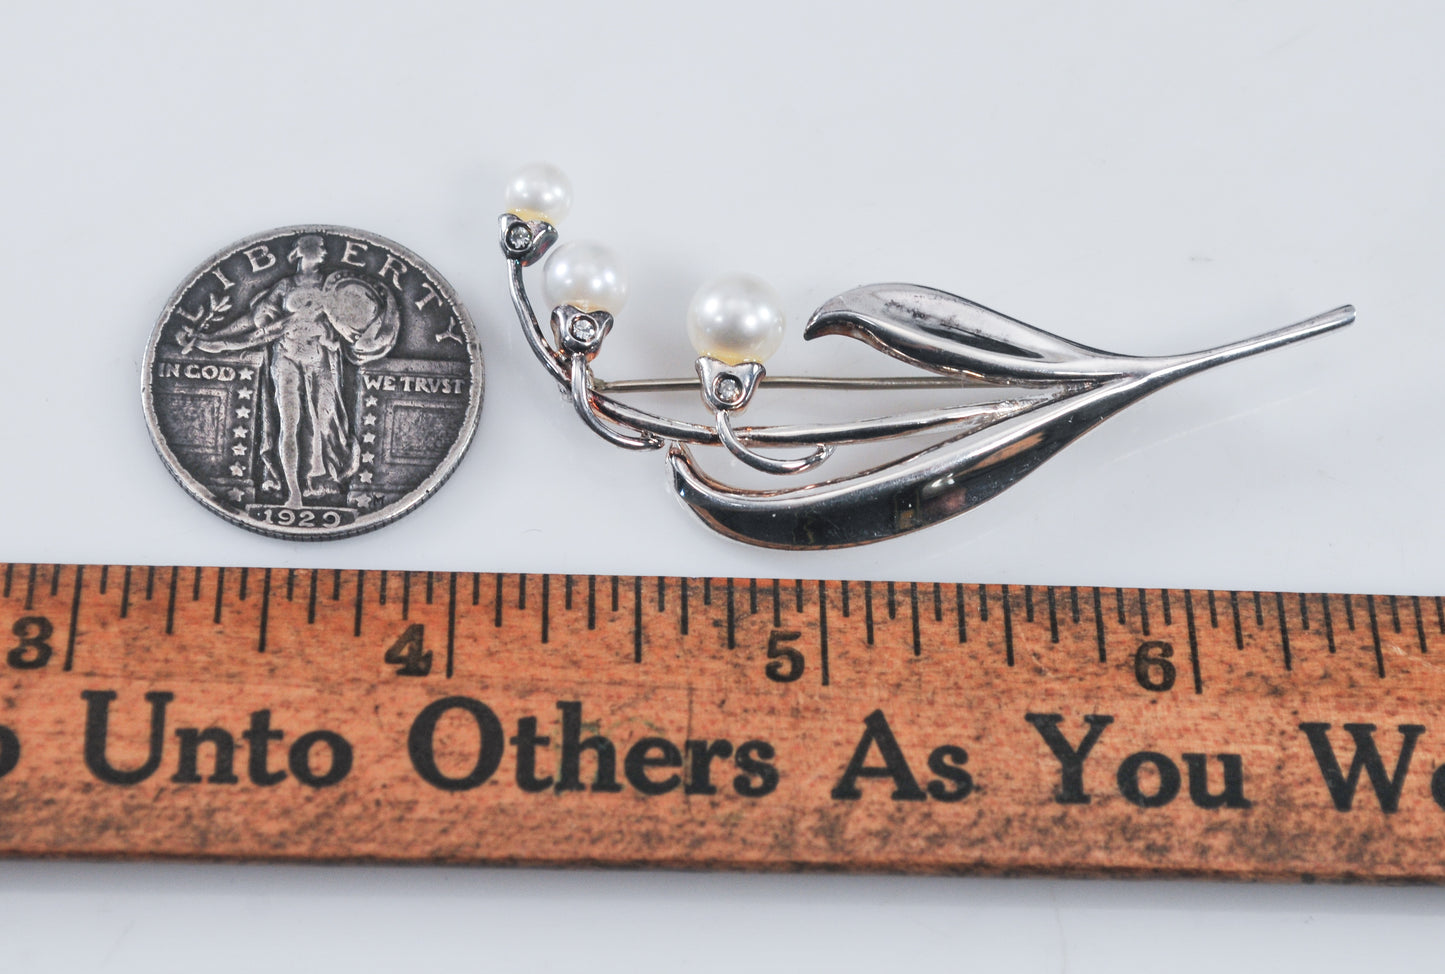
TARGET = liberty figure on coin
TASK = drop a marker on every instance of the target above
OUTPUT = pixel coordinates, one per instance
(313, 382)
(311, 325)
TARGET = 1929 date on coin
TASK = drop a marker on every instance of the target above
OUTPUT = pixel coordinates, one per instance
(313, 382)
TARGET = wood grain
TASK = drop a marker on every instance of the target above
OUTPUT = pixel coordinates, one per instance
(748, 724)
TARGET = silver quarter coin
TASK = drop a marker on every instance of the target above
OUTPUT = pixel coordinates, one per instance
(313, 382)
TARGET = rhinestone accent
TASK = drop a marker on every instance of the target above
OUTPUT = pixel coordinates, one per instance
(728, 389)
(519, 237)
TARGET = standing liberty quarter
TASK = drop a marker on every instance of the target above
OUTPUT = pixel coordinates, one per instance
(313, 382)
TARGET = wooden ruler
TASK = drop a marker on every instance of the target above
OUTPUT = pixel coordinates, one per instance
(283, 714)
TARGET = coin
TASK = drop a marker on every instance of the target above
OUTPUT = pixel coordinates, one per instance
(313, 382)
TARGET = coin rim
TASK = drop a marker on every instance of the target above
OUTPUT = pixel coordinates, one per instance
(368, 521)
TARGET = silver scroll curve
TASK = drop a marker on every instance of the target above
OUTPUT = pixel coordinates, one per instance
(1056, 390)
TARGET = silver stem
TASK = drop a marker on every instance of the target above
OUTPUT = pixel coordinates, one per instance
(651, 425)
(690, 383)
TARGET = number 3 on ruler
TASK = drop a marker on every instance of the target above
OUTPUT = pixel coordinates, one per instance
(34, 650)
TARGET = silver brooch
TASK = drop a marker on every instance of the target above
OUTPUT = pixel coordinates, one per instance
(1049, 390)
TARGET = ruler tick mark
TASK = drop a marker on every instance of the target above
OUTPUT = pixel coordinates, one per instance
(1419, 625)
(1375, 634)
(150, 582)
(913, 609)
(892, 602)
(311, 601)
(937, 602)
(196, 584)
(753, 596)
(1350, 612)
(220, 589)
(1283, 629)
(868, 610)
(1053, 617)
(1258, 611)
(336, 585)
(777, 602)
(54, 580)
(1099, 625)
(732, 622)
(798, 592)
(707, 600)
(1008, 626)
(681, 607)
(1440, 614)
(171, 601)
(10, 577)
(522, 593)
(983, 603)
(823, 631)
(1074, 603)
(360, 601)
(245, 578)
(124, 594)
(1329, 622)
(105, 575)
(1238, 629)
(265, 610)
(662, 593)
(1193, 641)
(497, 603)
(1164, 606)
(1144, 611)
(567, 592)
(706, 592)
(546, 606)
(1213, 612)
(290, 583)
(381, 589)
(958, 608)
(451, 621)
(428, 587)
(406, 595)
(844, 591)
(637, 616)
(1028, 603)
(30, 590)
(74, 618)
(1394, 614)
(1304, 612)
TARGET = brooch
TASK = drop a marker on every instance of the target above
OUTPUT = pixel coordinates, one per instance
(1047, 390)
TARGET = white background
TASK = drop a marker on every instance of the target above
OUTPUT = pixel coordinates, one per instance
(1147, 177)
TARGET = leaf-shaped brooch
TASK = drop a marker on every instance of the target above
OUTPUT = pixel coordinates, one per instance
(1051, 390)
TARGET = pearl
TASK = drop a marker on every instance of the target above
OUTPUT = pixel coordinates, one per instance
(736, 318)
(586, 276)
(539, 191)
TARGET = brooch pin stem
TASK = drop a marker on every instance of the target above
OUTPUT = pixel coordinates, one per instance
(1051, 390)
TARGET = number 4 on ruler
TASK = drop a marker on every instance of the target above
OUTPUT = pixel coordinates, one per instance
(407, 652)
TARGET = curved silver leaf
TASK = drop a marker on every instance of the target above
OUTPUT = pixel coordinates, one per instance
(951, 335)
(911, 493)
(942, 481)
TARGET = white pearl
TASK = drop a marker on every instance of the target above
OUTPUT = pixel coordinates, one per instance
(736, 318)
(539, 191)
(585, 275)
